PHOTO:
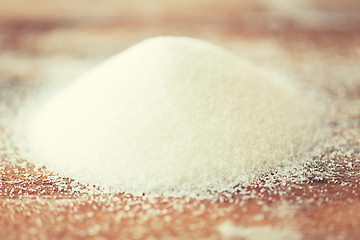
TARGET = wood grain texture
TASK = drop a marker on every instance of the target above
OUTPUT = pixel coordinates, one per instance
(317, 43)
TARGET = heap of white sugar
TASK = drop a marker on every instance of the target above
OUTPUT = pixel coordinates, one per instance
(171, 115)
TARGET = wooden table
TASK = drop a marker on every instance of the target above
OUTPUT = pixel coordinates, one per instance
(315, 42)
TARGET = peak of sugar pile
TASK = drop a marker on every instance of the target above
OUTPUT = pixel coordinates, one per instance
(171, 115)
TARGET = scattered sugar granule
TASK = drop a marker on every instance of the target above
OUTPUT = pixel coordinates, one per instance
(171, 115)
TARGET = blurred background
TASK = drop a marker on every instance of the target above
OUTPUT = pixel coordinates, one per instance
(57, 40)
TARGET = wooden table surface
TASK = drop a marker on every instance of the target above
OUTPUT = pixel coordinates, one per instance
(315, 42)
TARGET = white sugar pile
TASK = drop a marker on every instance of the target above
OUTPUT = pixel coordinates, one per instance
(171, 115)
